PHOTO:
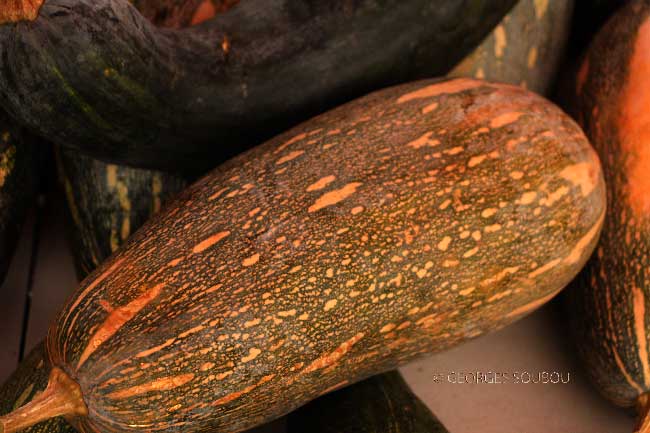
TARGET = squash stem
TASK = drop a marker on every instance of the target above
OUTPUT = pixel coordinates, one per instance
(13, 11)
(643, 420)
(62, 397)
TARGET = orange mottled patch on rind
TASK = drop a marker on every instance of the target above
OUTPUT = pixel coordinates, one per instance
(321, 183)
(235, 395)
(634, 124)
(161, 384)
(451, 86)
(116, 319)
(333, 357)
(204, 245)
(204, 12)
(336, 196)
(13, 11)
(505, 119)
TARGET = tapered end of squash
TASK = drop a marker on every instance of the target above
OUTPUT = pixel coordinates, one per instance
(62, 397)
(13, 11)
(643, 410)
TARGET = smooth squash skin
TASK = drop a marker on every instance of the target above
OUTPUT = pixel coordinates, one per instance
(120, 89)
(400, 224)
(106, 203)
(609, 309)
(381, 404)
(18, 183)
(526, 48)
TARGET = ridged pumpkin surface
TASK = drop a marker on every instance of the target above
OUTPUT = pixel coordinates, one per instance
(397, 225)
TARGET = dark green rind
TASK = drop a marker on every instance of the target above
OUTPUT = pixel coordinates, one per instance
(381, 404)
(97, 76)
(18, 182)
(106, 203)
(525, 49)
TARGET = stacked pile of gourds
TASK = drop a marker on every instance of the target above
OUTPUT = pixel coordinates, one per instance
(392, 226)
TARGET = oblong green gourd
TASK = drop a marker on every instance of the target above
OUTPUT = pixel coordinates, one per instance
(398, 225)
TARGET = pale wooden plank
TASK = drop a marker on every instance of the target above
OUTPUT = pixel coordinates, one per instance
(54, 277)
(12, 306)
(537, 343)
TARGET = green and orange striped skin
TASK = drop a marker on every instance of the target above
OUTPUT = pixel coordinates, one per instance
(397, 225)
(609, 309)
(381, 404)
(106, 203)
(525, 48)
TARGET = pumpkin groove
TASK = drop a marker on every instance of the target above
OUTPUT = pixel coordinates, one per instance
(122, 90)
(262, 280)
(608, 308)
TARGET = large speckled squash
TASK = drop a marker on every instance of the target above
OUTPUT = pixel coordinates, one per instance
(609, 309)
(526, 48)
(397, 225)
(123, 90)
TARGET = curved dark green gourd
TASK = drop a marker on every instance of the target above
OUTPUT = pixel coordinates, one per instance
(122, 90)
(526, 48)
(18, 183)
(608, 308)
(107, 203)
(381, 404)
(400, 224)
